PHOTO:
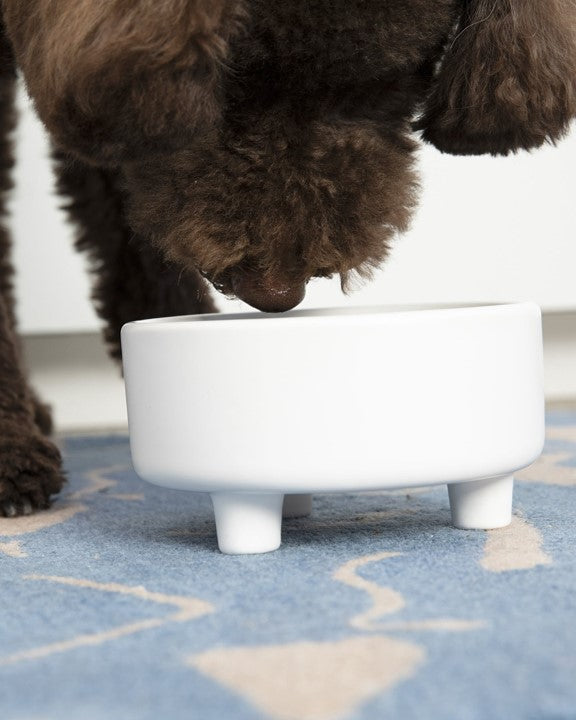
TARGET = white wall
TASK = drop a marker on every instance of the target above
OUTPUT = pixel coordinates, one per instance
(487, 229)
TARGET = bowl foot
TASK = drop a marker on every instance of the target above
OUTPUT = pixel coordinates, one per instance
(482, 504)
(296, 506)
(247, 522)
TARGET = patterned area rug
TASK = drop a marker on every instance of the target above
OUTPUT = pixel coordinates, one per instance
(117, 604)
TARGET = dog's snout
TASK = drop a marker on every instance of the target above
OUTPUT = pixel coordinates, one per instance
(267, 294)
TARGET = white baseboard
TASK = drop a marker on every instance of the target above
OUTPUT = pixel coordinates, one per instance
(85, 388)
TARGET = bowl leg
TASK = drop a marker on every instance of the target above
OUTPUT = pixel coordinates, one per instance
(482, 504)
(247, 522)
(296, 506)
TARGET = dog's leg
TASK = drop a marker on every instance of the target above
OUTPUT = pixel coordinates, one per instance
(132, 280)
(30, 467)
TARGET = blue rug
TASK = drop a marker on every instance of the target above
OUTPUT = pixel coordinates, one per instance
(117, 605)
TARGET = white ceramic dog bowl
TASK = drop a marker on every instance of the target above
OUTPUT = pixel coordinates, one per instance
(252, 407)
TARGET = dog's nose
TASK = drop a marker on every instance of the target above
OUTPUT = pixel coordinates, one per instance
(267, 294)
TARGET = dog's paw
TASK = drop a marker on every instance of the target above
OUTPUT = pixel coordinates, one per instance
(30, 473)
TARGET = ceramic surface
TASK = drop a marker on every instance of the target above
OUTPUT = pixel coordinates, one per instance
(251, 407)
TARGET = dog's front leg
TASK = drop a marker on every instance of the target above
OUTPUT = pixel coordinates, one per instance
(30, 464)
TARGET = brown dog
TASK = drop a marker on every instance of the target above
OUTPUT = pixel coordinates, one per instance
(257, 143)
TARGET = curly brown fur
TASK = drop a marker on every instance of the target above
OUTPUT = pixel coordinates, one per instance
(7, 124)
(132, 282)
(508, 79)
(93, 67)
(30, 466)
(310, 172)
(261, 143)
(292, 203)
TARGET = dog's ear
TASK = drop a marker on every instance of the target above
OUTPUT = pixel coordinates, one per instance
(507, 80)
(120, 79)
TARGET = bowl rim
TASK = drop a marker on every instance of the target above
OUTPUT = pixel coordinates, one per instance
(334, 314)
